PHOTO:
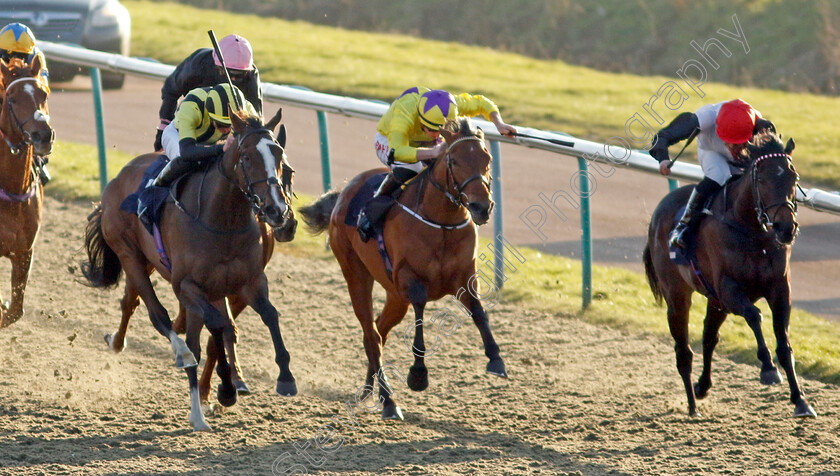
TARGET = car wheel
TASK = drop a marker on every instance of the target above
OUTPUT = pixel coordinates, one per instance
(111, 80)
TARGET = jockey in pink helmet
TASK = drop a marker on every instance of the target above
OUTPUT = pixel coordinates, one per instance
(409, 134)
(722, 132)
(202, 69)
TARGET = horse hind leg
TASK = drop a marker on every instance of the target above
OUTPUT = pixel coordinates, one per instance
(711, 334)
(678, 308)
(128, 304)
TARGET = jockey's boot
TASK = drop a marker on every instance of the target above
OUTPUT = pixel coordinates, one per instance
(376, 209)
(693, 212)
(174, 169)
(43, 173)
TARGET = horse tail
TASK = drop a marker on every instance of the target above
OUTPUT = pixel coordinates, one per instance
(103, 267)
(653, 281)
(317, 214)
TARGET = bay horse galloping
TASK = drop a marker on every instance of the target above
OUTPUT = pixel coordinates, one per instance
(742, 255)
(26, 132)
(431, 239)
(212, 240)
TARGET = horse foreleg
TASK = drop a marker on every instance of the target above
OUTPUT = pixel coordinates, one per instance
(741, 305)
(137, 276)
(21, 264)
(496, 365)
(780, 306)
(286, 385)
(711, 334)
(196, 303)
(418, 375)
(235, 306)
(196, 414)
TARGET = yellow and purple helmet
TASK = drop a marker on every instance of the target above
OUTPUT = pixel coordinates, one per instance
(17, 38)
(435, 108)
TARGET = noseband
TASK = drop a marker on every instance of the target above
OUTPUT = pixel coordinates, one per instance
(762, 210)
(15, 149)
(459, 188)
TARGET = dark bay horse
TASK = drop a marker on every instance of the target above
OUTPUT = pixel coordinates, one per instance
(213, 242)
(743, 253)
(431, 238)
(26, 132)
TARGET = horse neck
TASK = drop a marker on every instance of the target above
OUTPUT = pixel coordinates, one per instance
(743, 202)
(434, 204)
(224, 204)
(15, 169)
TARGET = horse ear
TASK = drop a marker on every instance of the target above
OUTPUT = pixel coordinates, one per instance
(447, 134)
(281, 136)
(236, 122)
(35, 66)
(270, 125)
(789, 146)
(4, 68)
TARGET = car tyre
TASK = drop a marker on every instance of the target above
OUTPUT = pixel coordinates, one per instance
(111, 80)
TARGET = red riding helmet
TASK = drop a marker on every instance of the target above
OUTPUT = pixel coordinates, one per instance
(735, 122)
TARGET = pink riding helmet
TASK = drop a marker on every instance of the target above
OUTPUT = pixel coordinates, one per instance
(237, 52)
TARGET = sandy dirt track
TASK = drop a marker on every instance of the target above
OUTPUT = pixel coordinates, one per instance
(581, 399)
(621, 204)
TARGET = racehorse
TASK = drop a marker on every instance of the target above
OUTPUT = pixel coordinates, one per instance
(742, 255)
(26, 132)
(212, 240)
(431, 238)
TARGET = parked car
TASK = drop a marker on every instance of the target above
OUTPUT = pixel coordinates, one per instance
(103, 25)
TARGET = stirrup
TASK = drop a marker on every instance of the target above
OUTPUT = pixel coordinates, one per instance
(364, 227)
(677, 238)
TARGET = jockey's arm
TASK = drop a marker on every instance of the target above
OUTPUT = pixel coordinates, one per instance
(679, 129)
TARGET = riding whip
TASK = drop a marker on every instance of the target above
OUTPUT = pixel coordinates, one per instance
(239, 106)
(564, 143)
(690, 139)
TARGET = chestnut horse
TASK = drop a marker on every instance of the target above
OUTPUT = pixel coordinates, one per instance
(742, 253)
(26, 132)
(431, 238)
(213, 242)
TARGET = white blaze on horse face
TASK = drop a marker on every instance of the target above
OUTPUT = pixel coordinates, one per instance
(264, 147)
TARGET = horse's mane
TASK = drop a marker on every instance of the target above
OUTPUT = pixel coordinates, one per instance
(463, 126)
(765, 142)
(250, 120)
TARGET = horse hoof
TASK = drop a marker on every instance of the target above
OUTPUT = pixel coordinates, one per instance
(418, 378)
(109, 339)
(226, 396)
(202, 426)
(497, 367)
(392, 412)
(771, 377)
(242, 388)
(185, 361)
(286, 388)
(700, 393)
(803, 410)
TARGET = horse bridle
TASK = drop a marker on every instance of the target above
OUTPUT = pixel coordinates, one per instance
(15, 149)
(762, 210)
(254, 199)
(450, 174)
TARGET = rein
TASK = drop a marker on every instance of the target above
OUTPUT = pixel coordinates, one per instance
(762, 210)
(457, 200)
(253, 199)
